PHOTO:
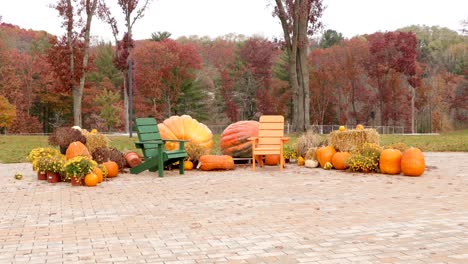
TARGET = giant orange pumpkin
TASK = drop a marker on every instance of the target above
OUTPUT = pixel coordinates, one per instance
(112, 168)
(412, 162)
(77, 149)
(339, 160)
(234, 139)
(186, 128)
(325, 154)
(390, 161)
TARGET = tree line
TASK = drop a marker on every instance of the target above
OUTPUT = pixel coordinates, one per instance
(415, 77)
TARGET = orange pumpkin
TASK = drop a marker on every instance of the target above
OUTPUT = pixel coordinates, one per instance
(98, 173)
(412, 162)
(91, 179)
(234, 141)
(339, 160)
(188, 165)
(325, 154)
(112, 168)
(214, 162)
(77, 149)
(390, 161)
(187, 128)
(360, 127)
(272, 160)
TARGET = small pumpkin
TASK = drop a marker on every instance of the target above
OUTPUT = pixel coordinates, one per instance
(77, 149)
(188, 165)
(325, 154)
(214, 162)
(412, 162)
(390, 161)
(234, 141)
(98, 173)
(342, 128)
(300, 161)
(272, 160)
(112, 168)
(311, 163)
(339, 160)
(360, 127)
(91, 180)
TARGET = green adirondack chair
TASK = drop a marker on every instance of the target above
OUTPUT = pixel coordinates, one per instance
(156, 157)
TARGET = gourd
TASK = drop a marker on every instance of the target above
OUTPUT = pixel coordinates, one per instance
(412, 162)
(77, 149)
(325, 154)
(360, 127)
(339, 160)
(91, 179)
(214, 162)
(188, 165)
(390, 161)
(300, 161)
(272, 159)
(112, 168)
(311, 163)
(185, 128)
(234, 141)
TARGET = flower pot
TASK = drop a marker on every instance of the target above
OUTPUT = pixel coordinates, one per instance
(132, 159)
(53, 177)
(63, 150)
(42, 176)
(76, 181)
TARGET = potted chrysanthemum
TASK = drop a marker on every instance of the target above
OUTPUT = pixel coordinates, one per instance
(77, 168)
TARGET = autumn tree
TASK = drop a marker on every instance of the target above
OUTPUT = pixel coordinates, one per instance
(132, 10)
(77, 31)
(7, 114)
(299, 18)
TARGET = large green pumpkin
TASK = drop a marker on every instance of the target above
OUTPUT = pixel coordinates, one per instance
(234, 141)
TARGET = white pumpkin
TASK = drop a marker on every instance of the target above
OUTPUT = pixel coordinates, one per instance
(311, 163)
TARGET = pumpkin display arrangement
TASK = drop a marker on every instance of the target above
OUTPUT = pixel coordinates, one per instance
(358, 151)
(77, 163)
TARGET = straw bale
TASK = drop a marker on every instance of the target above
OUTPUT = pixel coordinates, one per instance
(351, 140)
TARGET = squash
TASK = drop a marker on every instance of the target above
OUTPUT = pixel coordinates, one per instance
(77, 149)
(390, 161)
(339, 160)
(234, 141)
(310, 163)
(300, 161)
(188, 165)
(91, 180)
(272, 160)
(359, 127)
(98, 173)
(342, 128)
(112, 168)
(214, 162)
(185, 128)
(325, 154)
(328, 166)
(412, 162)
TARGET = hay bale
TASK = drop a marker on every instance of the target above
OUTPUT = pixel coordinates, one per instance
(351, 140)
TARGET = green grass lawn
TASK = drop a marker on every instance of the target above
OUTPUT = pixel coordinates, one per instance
(16, 148)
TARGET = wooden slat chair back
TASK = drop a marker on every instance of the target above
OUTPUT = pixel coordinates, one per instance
(152, 146)
(270, 138)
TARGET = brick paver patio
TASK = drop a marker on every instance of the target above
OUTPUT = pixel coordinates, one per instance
(298, 216)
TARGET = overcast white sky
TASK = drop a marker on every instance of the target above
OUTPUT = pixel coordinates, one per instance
(219, 17)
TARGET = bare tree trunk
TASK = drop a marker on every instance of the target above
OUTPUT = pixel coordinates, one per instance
(413, 97)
